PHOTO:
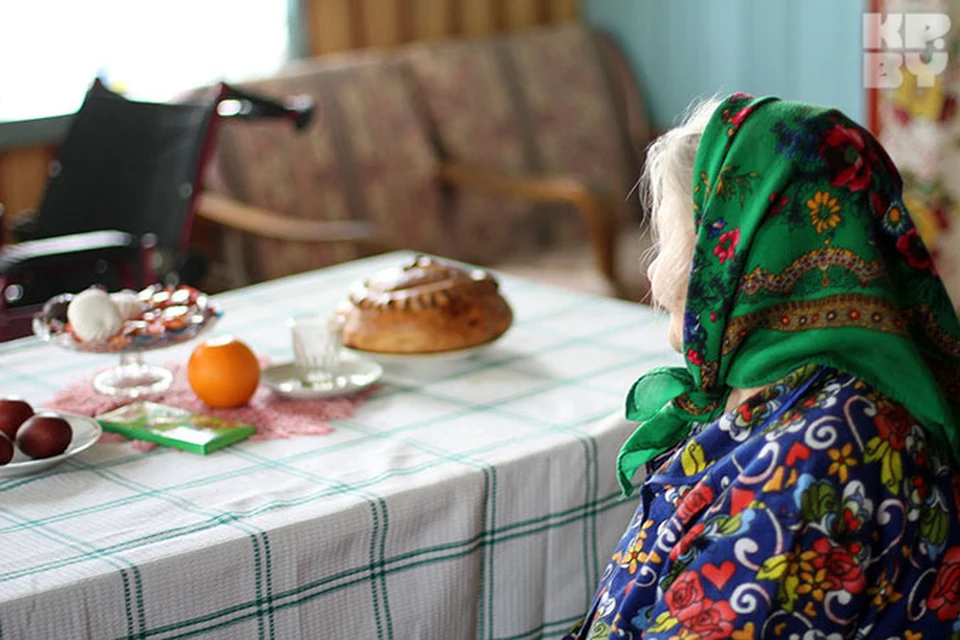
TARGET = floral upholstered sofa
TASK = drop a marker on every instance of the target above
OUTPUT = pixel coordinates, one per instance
(518, 153)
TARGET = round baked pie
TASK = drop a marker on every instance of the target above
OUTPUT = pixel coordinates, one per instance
(425, 306)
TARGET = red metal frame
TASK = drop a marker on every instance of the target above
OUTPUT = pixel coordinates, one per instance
(205, 152)
(294, 114)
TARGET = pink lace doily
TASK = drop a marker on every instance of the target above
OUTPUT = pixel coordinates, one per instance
(273, 416)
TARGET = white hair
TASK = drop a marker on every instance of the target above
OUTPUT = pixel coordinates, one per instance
(666, 191)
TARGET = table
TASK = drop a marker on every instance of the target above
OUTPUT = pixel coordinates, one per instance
(471, 499)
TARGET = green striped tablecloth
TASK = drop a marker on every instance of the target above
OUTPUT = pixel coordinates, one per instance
(473, 499)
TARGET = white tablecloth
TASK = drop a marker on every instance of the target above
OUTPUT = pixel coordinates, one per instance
(473, 499)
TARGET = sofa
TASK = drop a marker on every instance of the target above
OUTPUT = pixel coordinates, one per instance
(518, 153)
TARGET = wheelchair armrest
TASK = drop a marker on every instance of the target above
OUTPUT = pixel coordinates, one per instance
(65, 250)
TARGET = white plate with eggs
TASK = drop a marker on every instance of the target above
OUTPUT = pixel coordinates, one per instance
(86, 432)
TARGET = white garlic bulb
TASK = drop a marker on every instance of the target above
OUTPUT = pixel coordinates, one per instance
(93, 316)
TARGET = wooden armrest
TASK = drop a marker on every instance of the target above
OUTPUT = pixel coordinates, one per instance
(599, 212)
(269, 224)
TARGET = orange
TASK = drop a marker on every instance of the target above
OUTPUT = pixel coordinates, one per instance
(223, 372)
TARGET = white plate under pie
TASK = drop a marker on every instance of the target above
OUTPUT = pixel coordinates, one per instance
(356, 373)
(86, 432)
(422, 358)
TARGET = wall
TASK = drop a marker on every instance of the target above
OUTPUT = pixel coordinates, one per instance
(681, 49)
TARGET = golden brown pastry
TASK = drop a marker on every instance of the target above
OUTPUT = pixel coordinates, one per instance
(426, 306)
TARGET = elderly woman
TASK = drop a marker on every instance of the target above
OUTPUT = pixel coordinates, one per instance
(801, 469)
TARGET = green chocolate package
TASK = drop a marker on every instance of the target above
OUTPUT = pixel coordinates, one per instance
(174, 427)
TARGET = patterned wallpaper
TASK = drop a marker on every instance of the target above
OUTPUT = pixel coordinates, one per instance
(920, 128)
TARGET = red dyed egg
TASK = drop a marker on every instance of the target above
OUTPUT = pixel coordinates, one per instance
(44, 435)
(6, 450)
(13, 413)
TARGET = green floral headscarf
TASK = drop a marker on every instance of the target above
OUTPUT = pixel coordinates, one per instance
(805, 253)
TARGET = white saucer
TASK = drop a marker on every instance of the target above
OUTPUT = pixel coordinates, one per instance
(86, 432)
(356, 373)
(421, 358)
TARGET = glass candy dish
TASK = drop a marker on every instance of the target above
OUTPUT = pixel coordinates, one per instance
(172, 316)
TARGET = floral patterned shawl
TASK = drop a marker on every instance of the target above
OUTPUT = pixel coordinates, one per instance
(805, 253)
